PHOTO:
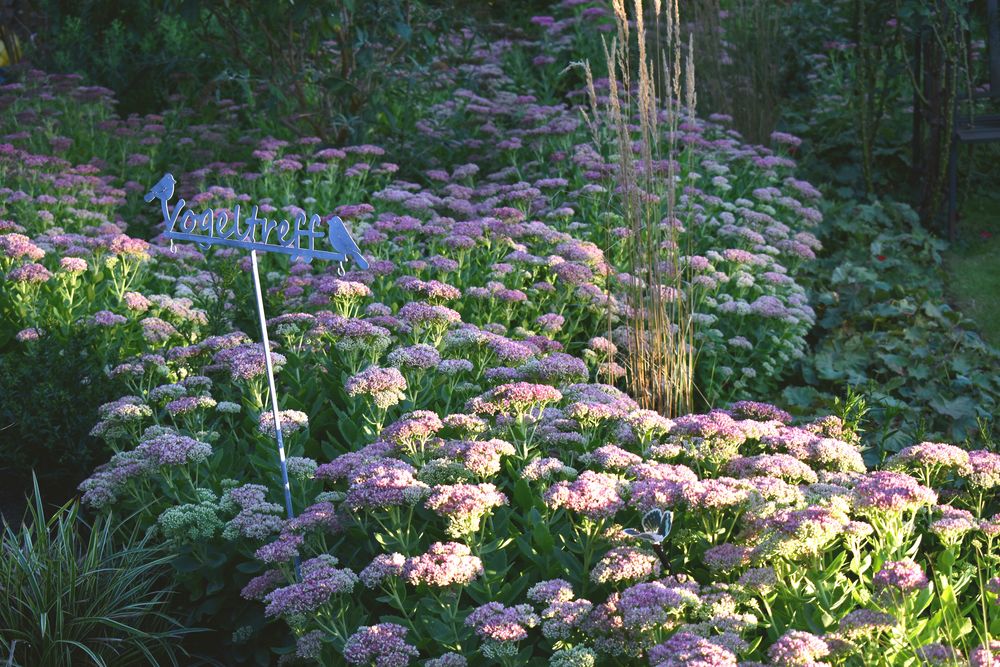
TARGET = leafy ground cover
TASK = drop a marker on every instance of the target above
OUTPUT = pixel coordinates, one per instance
(471, 485)
(887, 290)
(886, 329)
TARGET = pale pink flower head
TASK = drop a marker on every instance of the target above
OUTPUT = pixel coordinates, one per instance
(29, 334)
(136, 301)
(16, 246)
(984, 469)
(517, 398)
(123, 244)
(932, 457)
(986, 655)
(444, 564)
(385, 386)
(796, 648)
(626, 564)
(464, 505)
(593, 495)
(73, 265)
(292, 421)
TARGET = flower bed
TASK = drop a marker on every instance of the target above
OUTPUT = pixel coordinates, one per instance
(463, 467)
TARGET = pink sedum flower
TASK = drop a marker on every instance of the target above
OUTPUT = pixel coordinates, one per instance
(593, 495)
(444, 564)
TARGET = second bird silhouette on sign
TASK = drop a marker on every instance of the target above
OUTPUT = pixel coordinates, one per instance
(341, 241)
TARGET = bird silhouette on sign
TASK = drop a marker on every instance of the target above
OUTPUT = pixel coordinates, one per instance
(164, 189)
(341, 241)
(656, 525)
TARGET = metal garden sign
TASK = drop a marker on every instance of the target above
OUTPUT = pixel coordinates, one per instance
(297, 238)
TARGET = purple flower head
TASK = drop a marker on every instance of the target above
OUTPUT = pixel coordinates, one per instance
(717, 494)
(613, 458)
(481, 457)
(562, 616)
(455, 366)
(381, 568)
(174, 449)
(781, 466)
(319, 517)
(29, 334)
(715, 425)
(886, 491)
(246, 361)
(383, 482)
(188, 404)
(15, 246)
(496, 622)
(29, 274)
(647, 605)
(263, 584)
(550, 323)
(931, 456)
(282, 550)
(320, 582)
(557, 368)
(105, 318)
(449, 659)
(727, 557)
(904, 576)
(984, 469)
(647, 424)
(412, 429)
(986, 655)
(382, 645)
(122, 244)
(419, 357)
(544, 469)
(73, 264)
(862, 623)
(660, 485)
(343, 466)
(546, 592)
(685, 649)
(940, 655)
(953, 525)
(427, 315)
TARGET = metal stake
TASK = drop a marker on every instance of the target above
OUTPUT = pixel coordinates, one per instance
(270, 383)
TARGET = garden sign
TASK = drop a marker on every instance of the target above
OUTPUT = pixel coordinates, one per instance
(297, 238)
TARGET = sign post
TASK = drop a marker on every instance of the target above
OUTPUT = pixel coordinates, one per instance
(297, 239)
